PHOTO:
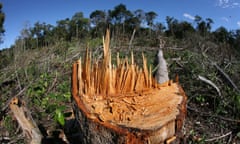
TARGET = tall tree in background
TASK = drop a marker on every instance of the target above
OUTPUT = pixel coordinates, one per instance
(197, 19)
(97, 16)
(119, 15)
(42, 32)
(79, 25)
(171, 22)
(182, 29)
(221, 35)
(209, 24)
(2, 18)
(141, 16)
(98, 20)
(159, 28)
(62, 30)
(150, 16)
(203, 27)
(237, 40)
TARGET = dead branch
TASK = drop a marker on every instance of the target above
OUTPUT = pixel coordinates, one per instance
(217, 138)
(24, 119)
(216, 116)
(9, 100)
(132, 37)
(210, 83)
(175, 48)
(18, 80)
(53, 84)
(227, 77)
(69, 59)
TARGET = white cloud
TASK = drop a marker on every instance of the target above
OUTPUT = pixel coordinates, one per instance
(186, 15)
(236, 4)
(223, 1)
(225, 19)
(238, 23)
(228, 3)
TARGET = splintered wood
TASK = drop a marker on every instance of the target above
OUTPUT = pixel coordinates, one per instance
(102, 78)
(125, 95)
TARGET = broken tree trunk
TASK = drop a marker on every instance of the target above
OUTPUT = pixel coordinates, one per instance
(124, 103)
(24, 119)
(162, 71)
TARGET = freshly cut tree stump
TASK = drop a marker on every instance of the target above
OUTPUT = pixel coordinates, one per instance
(124, 103)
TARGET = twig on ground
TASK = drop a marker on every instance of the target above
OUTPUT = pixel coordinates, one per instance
(4, 139)
(230, 139)
(210, 83)
(216, 116)
(16, 139)
(9, 100)
(53, 84)
(217, 138)
(26, 74)
(175, 48)
(18, 80)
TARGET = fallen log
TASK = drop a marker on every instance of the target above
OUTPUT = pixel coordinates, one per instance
(24, 119)
(124, 103)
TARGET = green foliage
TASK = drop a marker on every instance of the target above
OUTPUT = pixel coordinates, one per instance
(39, 88)
(93, 43)
(237, 101)
(59, 117)
(200, 99)
(6, 58)
(7, 122)
(50, 102)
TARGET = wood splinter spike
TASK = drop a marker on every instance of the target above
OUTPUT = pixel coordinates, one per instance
(124, 103)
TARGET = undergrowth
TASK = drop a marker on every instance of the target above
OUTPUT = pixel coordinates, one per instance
(44, 75)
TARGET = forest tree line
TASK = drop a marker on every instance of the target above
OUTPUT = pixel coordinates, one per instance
(122, 23)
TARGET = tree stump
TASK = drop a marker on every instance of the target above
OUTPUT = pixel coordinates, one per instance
(124, 103)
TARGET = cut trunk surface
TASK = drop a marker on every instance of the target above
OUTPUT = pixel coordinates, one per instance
(124, 103)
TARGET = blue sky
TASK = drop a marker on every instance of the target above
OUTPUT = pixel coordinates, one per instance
(22, 13)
